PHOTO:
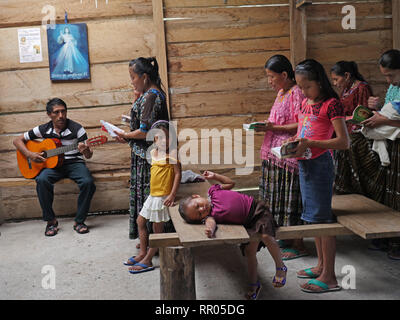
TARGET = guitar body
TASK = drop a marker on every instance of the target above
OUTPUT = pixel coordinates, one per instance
(30, 169)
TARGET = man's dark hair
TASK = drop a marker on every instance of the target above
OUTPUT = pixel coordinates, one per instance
(390, 59)
(55, 102)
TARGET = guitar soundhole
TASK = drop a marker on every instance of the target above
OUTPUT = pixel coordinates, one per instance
(44, 154)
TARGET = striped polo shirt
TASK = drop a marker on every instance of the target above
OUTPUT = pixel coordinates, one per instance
(73, 133)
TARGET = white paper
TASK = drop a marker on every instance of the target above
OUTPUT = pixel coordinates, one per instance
(110, 128)
(30, 45)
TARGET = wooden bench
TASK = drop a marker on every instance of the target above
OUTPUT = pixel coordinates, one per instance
(356, 214)
(19, 199)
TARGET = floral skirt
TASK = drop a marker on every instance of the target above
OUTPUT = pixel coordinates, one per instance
(280, 189)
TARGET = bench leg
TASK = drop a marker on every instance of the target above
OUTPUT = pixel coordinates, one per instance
(177, 274)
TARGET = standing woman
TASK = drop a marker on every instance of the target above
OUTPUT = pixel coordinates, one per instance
(353, 91)
(389, 65)
(279, 185)
(150, 107)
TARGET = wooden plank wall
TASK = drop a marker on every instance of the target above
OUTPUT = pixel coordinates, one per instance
(328, 42)
(216, 51)
(117, 32)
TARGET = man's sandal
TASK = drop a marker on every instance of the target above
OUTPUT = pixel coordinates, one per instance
(279, 282)
(254, 295)
(51, 230)
(81, 228)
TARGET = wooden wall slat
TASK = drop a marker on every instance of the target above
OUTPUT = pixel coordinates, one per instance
(220, 62)
(29, 12)
(212, 81)
(235, 46)
(228, 14)
(212, 3)
(192, 32)
(222, 103)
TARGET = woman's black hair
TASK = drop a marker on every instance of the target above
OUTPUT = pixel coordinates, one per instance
(150, 67)
(54, 102)
(279, 64)
(390, 59)
(341, 67)
(314, 71)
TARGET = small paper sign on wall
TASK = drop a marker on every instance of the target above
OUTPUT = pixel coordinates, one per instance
(30, 46)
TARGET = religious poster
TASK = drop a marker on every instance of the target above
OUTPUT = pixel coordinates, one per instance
(30, 45)
(68, 52)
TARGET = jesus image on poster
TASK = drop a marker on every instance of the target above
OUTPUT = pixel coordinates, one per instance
(68, 52)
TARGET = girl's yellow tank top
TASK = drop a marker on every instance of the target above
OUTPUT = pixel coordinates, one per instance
(161, 177)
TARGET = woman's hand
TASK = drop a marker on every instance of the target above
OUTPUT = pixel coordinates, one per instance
(375, 121)
(121, 137)
(373, 102)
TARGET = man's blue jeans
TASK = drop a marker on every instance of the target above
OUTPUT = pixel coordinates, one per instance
(76, 171)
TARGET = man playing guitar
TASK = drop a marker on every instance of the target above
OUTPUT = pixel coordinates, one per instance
(73, 166)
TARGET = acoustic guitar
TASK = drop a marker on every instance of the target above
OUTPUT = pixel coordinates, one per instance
(53, 151)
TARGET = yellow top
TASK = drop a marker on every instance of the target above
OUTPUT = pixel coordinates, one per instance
(161, 176)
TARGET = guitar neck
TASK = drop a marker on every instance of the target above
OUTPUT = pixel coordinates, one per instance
(61, 150)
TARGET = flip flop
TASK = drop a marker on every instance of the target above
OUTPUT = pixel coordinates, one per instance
(144, 266)
(131, 259)
(297, 253)
(322, 285)
(255, 294)
(310, 274)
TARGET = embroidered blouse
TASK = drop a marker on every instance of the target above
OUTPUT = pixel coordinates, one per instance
(146, 110)
(286, 105)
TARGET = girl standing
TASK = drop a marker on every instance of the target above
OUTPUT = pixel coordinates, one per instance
(150, 107)
(164, 183)
(321, 115)
(279, 183)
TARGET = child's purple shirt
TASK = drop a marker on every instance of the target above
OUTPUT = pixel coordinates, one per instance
(230, 207)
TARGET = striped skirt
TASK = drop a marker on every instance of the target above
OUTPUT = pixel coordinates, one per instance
(359, 171)
(280, 189)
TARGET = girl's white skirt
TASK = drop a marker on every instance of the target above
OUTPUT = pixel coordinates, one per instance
(154, 209)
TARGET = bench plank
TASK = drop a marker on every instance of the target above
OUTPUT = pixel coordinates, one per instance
(365, 217)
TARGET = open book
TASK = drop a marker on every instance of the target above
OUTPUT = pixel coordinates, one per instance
(360, 114)
(286, 150)
(251, 126)
(110, 128)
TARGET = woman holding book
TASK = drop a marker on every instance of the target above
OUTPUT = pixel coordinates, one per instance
(387, 188)
(279, 183)
(149, 107)
(353, 91)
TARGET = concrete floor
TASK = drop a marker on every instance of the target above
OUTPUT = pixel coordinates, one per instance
(90, 266)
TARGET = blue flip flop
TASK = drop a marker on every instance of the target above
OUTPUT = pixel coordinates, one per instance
(144, 266)
(308, 274)
(132, 260)
(322, 285)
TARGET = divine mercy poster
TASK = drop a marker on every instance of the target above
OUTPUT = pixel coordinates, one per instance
(68, 52)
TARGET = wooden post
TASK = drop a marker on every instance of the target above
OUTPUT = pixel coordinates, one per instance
(177, 274)
(298, 31)
(161, 51)
(396, 23)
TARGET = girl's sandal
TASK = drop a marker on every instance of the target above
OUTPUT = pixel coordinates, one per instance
(254, 295)
(279, 282)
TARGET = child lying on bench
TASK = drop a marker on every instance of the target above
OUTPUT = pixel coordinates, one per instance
(226, 206)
